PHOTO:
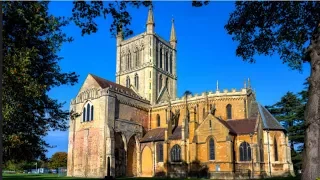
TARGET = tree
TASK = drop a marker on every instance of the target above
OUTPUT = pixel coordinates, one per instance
(32, 38)
(292, 30)
(58, 159)
(186, 94)
(289, 111)
(84, 14)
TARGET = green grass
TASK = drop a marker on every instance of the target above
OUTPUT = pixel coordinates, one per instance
(55, 176)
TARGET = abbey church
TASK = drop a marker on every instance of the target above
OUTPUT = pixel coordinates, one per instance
(137, 126)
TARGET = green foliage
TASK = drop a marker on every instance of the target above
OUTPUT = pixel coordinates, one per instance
(268, 27)
(32, 38)
(58, 159)
(85, 12)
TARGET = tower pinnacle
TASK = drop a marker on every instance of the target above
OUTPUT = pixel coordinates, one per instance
(150, 20)
(173, 38)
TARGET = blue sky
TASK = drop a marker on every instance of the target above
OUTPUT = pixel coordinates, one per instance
(206, 53)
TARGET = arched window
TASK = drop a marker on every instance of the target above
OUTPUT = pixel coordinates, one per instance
(160, 152)
(204, 113)
(84, 115)
(176, 153)
(166, 62)
(136, 81)
(158, 120)
(160, 63)
(91, 112)
(167, 80)
(276, 157)
(245, 152)
(229, 111)
(210, 125)
(170, 63)
(128, 82)
(211, 149)
(88, 112)
(160, 83)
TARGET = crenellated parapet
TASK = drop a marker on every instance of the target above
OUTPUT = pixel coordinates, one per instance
(225, 95)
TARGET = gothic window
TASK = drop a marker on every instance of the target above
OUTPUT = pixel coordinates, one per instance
(245, 152)
(211, 149)
(229, 111)
(91, 112)
(84, 115)
(136, 81)
(160, 152)
(128, 82)
(204, 113)
(176, 153)
(170, 61)
(166, 62)
(160, 63)
(160, 82)
(158, 120)
(276, 157)
(88, 112)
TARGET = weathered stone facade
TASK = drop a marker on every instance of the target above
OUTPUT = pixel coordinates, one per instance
(138, 127)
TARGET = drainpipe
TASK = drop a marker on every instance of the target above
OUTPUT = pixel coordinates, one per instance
(269, 153)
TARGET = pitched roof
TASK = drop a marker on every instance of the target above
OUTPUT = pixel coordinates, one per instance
(176, 134)
(154, 135)
(225, 123)
(269, 121)
(103, 83)
(157, 134)
(242, 126)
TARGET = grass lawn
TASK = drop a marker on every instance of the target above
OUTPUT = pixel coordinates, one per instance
(52, 177)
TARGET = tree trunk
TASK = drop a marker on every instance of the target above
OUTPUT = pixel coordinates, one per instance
(311, 154)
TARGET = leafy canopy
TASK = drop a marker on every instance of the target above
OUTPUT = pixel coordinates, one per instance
(267, 27)
(32, 38)
(58, 159)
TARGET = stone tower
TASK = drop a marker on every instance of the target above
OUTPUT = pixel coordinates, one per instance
(146, 63)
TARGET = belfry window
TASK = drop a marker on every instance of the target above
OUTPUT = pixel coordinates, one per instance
(166, 62)
(176, 153)
(204, 113)
(136, 81)
(170, 61)
(160, 152)
(87, 113)
(229, 111)
(211, 149)
(160, 62)
(245, 151)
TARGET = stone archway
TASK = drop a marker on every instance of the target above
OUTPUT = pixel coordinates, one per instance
(120, 155)
(147, 163)
(132, 157)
